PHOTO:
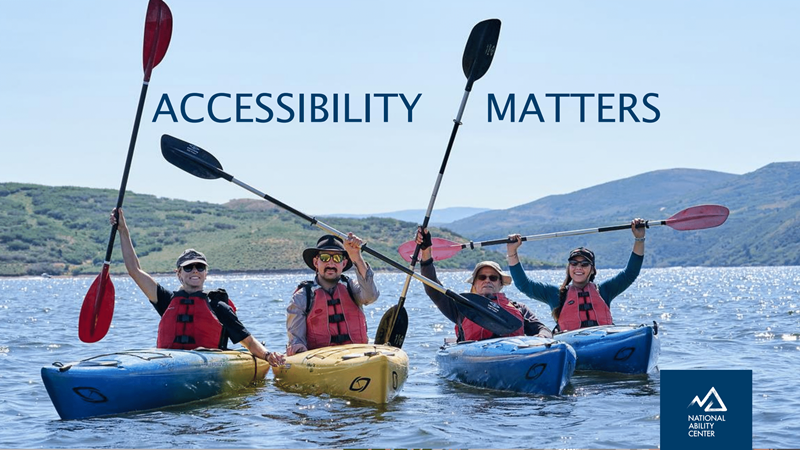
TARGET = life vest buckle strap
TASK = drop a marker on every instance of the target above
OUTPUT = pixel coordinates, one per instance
(340, 338)
(187, 301)
(185, 318)
(583, 308)
(183, 339)
(333, 302)
(336, 318)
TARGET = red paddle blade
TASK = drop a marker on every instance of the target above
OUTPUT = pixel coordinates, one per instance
(97, 309)
(441, 249)
(157, 34)
(699, 217)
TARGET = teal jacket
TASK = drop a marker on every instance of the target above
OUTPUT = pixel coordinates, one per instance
(548, 293)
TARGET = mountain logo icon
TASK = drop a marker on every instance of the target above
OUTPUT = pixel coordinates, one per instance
(717, 399)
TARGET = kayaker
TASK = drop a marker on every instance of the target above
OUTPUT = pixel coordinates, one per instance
(190, 316)
(329, 310)
(487, 280)
(578, 289)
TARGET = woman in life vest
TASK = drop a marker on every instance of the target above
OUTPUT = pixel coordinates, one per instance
(190, 317)
(579, 302)
(487, 280)
(329, 310)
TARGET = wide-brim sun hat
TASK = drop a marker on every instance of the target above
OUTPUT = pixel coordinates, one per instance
(326, 242)
(506, 278)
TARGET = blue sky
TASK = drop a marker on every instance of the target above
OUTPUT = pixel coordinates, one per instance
(725, 74)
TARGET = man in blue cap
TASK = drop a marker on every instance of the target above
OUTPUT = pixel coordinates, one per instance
(190, 316)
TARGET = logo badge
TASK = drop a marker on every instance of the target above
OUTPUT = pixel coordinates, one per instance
(709, 405)
(90, 394)
(694, 415)
(359, 384)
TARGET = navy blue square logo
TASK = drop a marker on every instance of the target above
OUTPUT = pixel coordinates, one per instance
(706, 409)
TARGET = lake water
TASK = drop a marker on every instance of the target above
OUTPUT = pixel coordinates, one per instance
(710, 318)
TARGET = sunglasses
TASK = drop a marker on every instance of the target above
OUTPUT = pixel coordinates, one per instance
(325, 257)
(492, 278)
(190, 267)
(583, 263)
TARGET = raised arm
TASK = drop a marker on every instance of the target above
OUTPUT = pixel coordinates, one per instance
(446, 305)
(143, 279)
(364, 288)
(546, 293)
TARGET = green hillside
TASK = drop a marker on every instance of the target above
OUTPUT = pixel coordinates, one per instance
(762, 229)
(65, 230)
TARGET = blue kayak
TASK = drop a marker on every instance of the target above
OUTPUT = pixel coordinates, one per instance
(138, 380)
(629, 349)
(520, 364)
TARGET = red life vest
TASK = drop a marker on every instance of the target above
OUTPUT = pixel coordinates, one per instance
(189, 323)
(584, 308)
(471, 331)
(334, 320)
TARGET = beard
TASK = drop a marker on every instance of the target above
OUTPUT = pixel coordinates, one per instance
(331, 275)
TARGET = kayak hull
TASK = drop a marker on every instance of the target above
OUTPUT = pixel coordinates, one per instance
(147, 379)
(526, 364)
(364, 372)
(631, 349)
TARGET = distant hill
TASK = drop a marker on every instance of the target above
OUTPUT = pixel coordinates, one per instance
(619, 198)
(65, 230)
(763, 228)
(438, 216)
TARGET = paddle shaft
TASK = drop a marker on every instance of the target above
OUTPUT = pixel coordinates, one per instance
(328, 228)
(539, 237)
(152, 55)
(110, 248)
(157, 33)
(150, 62)
(429, 211)
(126, 171)
(478, 55)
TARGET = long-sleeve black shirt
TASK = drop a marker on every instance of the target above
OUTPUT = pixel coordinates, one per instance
(532, 325)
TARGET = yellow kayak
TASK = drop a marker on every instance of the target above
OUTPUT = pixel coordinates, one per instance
(370, 373)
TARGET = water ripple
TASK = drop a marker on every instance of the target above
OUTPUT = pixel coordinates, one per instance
(710, 318)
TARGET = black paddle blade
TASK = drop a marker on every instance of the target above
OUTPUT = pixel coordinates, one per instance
(190, 158)
(397, 335)
(479, 52)
(488, 314)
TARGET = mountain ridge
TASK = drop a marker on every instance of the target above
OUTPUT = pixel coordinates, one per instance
(64, 230)
(438, 216)
(759, 201)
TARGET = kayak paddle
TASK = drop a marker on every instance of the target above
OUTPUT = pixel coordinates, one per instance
(693, 218)
(478, 55)
(202, 164)
(98, 305)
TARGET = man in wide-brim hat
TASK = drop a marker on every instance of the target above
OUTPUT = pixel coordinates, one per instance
(329, 310)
